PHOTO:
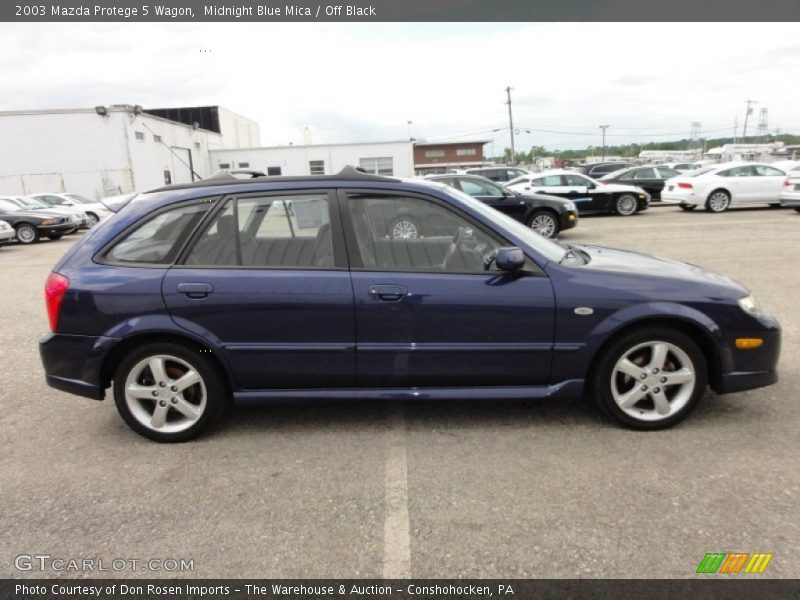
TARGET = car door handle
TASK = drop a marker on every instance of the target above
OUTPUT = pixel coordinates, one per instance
(195, 290)
(388, 293)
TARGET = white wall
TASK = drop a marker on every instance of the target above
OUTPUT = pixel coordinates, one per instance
(238, 131)
(294, 160)
(63, 151)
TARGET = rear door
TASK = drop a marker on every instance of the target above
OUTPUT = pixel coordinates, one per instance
(770, 183)
(588, 195)
(430, 314)
(266, 280)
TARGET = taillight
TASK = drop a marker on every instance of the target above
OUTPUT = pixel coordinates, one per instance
(786, 183)
(54, 290)
(685, 186)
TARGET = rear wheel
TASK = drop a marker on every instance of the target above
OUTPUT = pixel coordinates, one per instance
(626, 205)
(650, 378)
(718, 201)
(544, 223)
(27, 234)
(169, 393)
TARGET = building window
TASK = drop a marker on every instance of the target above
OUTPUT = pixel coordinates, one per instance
(157, 138)
(139, 136)
(434, 153)
(465, 152)
(316, 167)
(244, 165)
(273, 171)
(224, 165)
(383, 165)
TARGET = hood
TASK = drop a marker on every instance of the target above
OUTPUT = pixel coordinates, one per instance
(546, 198)
(635, 263)
(44, 213)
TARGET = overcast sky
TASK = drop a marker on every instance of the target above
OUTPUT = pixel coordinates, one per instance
(361, 82)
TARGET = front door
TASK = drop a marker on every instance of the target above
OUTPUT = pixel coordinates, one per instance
(433, 311)
(267, 282)
(493, 195)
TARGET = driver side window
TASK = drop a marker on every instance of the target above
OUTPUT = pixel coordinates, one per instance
(403, 233)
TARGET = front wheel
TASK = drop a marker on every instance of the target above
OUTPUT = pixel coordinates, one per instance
(651, 378)
(27, 234)
(544, 223)
(91, 220)
(169, 393)
(718, 201)
(625, 205)
(404, 228)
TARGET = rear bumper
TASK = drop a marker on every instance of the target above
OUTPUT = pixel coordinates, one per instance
(73, 363)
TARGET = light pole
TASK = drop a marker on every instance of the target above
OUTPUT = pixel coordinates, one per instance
(604, 127)
(411, 139)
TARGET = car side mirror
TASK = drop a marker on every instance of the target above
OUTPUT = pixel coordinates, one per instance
(510, 259)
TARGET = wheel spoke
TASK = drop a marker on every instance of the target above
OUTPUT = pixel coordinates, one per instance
(631, 369)
(679, 377)
(661, 402)
(159, 418)
(628, 399)
(187, 409)
(659, 356)
(187, 380)
(142, 392)
(156, 365)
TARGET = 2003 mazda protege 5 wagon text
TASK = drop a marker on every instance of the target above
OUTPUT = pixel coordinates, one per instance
(196, 295)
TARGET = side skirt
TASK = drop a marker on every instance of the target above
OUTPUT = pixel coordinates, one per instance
(571, 388)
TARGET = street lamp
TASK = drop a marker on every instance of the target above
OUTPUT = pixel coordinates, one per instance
(409, 131)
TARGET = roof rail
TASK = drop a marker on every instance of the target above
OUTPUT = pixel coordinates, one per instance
(228, 177)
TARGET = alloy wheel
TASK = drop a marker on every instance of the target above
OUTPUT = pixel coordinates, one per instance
(544, 225)
(718, 201)
(653, 380)
(26, 234)
(626, 205)
(404, 230)
(165, 393)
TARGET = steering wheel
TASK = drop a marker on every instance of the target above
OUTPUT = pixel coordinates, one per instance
(455, 246)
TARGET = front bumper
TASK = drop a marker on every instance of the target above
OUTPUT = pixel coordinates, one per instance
(7, 236)
(62, 228)
(569, 220)
(755, 368)
(73, 363)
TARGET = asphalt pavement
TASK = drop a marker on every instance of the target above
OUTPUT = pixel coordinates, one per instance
(453, 489)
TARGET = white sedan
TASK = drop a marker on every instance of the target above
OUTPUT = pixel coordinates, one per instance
(732, 184)
(95, 211)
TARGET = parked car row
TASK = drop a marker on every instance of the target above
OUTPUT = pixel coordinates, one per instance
(52, 215)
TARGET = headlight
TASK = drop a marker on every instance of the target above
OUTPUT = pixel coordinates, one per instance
(47, 222)
(751, 306)
(570, 206)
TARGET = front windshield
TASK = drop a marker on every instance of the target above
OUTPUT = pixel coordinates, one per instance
(79, 198)
(549, 249)
(615, 174)
(31, 203)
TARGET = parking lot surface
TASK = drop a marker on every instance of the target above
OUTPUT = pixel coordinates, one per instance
(440, 489)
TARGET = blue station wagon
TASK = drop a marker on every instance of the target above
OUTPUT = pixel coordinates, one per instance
(196, 296)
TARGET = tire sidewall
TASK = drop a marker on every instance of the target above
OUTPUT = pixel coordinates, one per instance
(217, 392)
(626, 214)
(708, 201)
(548, 214)
(35, 237)
(601, 381)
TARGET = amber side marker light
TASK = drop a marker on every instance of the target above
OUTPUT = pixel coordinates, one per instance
(748, 343)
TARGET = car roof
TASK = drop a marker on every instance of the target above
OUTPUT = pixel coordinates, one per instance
(221, 178)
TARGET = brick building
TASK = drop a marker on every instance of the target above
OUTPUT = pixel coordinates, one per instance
(441, 157)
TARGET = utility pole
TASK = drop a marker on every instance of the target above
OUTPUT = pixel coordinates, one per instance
(604, 127)
(735, 127)
(747, 113)
(511, 125)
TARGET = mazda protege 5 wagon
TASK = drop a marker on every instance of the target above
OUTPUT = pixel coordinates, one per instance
(279, 288)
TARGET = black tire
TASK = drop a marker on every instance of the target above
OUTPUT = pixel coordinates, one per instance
(27, 233)
(55, 236)
(604, 377)
(217, 393)
(545, 223)
(92, 221)
(797, 209)
(626, 205)
(723, 197)
(687, 207)
(404, 228)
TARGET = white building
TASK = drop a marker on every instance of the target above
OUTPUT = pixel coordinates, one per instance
(745, 152)
(662, 156)
(103, 151)
(382, 158)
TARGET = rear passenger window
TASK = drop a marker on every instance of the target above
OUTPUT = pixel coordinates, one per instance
(269, 231)
(159, 239)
